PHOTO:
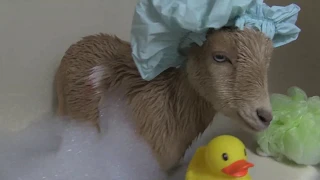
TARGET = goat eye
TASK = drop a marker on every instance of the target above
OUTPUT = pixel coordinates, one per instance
(220, 58)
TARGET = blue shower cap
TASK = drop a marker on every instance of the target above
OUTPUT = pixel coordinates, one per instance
(161, 29)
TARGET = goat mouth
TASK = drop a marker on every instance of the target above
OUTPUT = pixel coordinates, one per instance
(249, 125)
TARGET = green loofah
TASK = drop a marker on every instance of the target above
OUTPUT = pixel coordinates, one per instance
(294, 133)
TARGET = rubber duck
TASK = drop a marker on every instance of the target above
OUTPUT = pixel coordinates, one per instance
(223, 158)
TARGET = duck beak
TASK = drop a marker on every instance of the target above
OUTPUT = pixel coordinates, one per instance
(238, 168)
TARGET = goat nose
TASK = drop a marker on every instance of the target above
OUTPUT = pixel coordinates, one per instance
(265, 116)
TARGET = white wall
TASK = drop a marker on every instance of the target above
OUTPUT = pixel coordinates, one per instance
(34, 34)
(298, 63)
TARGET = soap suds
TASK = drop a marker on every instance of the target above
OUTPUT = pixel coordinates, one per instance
(62, 149)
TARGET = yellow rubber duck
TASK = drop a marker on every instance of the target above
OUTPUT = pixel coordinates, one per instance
(224, 158)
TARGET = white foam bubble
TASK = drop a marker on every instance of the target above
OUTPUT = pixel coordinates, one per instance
(59, 149)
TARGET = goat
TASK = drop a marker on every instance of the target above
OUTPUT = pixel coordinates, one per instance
(227, 74)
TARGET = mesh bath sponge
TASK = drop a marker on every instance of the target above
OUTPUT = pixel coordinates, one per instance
(294, 132)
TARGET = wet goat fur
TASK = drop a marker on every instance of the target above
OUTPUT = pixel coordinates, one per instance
(172, 109)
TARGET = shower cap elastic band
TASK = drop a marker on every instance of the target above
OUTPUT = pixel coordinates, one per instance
(161, 28)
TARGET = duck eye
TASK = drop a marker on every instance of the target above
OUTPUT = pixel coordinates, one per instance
(245, 152)
(220, 58)
(225, 156)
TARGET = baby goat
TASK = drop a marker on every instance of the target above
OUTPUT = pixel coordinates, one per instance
(227, 74)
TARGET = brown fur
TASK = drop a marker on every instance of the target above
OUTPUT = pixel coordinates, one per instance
(172, 109)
